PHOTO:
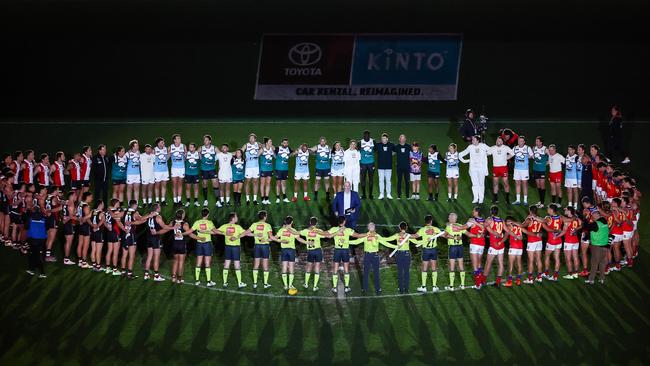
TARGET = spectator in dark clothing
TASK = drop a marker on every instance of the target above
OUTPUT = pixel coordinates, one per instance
(385, 166)
(469, 128)
(616, 145)
(36, 236)
(586, 190)
(402, 151)
(101, 173)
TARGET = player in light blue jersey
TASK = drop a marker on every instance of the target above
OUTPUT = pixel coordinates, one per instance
(301, 173)
(160, 171)
(453, 172)
(282, 155)
(581, 150)
(523, 154)
(323, 167)
(571, 176)
(338, 167)
(252, 175)
(133, 171)
(177, 153)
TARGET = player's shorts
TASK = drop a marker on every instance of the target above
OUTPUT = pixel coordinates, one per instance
(341, 255)
(237, 181)
(119, 182)
(16, 218)
(288, 255)
(493, 251)
(500, 171)
(476, 249)
(127, 241)
(515, 251)
(571, 246)
(281, 174)
(84, 183)
(415, 177)
(539, 175)
(133, 179)
(50, 222)
(160, 176)
(571, 183)
(97, 236)
(520, 174)
(551, 247)
(617, 238)
(224, 178)
(434, 175)
(111, 236)
(315, 255)
(208, 174)
(453, 173)
(178, 172)
(555, 177)
(301, 176)
(233, 253)
(627, 235)
(429, 254)
(534, 246)
(180, 247)
(68, 228)
(266, 173)
(204, 249)
(153, 242)
(84, 229)
(337, 173)
(262, 251)
(323, 173)
(76, 184)
(455, 252)
(252, 172)
(191, 179)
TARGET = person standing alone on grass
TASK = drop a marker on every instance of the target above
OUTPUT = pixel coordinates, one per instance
(616, 146)
(599, 245)
(385, 166)
(36, 236)
(402, 150)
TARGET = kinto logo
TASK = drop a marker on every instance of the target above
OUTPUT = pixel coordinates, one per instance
(305, 54)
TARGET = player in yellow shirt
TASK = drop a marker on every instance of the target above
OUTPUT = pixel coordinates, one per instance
(202, 231)
(287, 237)
(371, 241)
(341, 236)
(427, 238)
(454, 232)
(233, 234)
(263, 234)
(313, 235)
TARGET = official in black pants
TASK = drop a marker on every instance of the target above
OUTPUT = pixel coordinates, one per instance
(402, 151)
(101, 174)
(36, 236)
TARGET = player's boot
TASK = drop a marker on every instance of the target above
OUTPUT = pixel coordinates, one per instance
(294, 199)
(497, 283)
(241, 285)
(306, 198)
(518, 281)
(508, 282)
(422, 289)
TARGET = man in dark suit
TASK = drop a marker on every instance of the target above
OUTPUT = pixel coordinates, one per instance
(348, 204)
(101, 174)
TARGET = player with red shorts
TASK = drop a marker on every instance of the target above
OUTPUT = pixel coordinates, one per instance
(496, 227)
(555, 163)
(572, 226)
(554, 226)
(516, 241)
(500, 155)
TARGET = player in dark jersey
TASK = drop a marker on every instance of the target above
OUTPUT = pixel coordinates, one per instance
(69, 222)
(83, 216)
(113, 232)
(50, 205)
(181, 228)
(156, 227)
(130, 220)
(97, 221)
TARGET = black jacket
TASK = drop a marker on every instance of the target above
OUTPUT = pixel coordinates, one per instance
(468, 129)
(101, 168)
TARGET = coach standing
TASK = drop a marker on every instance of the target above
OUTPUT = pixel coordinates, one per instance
(586, 190)
(402, 150)
(385, 166)
(101, 173)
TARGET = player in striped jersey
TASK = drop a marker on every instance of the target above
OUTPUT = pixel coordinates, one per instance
(86, 165)
(28, 168)
(16, 165)
(571, 176)
(177, 151)
(301, 172)
(251, 151)
(69, 221)
(133, 171)
(113, 216)
(266, 169)
(74, 169)
(282, 154)
(453, 172)
(42, 172)
(323, 167)
(160, 171)
(58, 171)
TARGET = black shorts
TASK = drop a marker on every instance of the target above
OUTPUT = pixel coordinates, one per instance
(84, 229)
(97, 236)
(16, 218)
(208, 174)
(191, 179)
(68, 228)
(268, 173)
(237, 181)
(75, 185)
(127, 241)
(4, 208)
(111, 236)
(117, 182)
(539, 175)
(281, 174)
(180, 247)
(85, 183)
(323, 173)
(435, 175)
(16, 186)
(50, 222)
(153, 242)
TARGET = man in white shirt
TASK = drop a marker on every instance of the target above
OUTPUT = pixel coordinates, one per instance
(478, 166)
(224, 157)
(555, 162)
(146, 171)
(500, 155)
(351, 159)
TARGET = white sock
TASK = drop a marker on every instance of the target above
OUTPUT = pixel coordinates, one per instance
(221, 199)
(455, 195)
(254, 197)
(448, 195)
(163, 199)
(295, 194)
(248, 198)
(228, 199)
(525, 198)
(518, 197)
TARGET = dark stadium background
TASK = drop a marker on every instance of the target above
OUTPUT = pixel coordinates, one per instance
(87, 60)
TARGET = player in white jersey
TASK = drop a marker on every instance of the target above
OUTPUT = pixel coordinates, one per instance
(177, 151)
(224, 157)
(301, 172)
(146, 172)
(572, 160)
(523, 153)
(478, 166)
(251, 152)
(500, 155)
(453, 172)
(352, 169)
(160, 170)
(133, 179)
(555, 162)
(338, 167)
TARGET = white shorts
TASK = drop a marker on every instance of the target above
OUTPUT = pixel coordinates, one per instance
(301, 176)
(513, 251)
(492, 251)
(148, 178)
(225, 175)
(553, 246)
(415, 177)
(252, 172)
(571, 246)
(617, 238)
(476, 249)
(453, 173)
(520, 175)
(160, 176)
(570, 183)
(627, 235)
(337, 173)
(178, 172)
(535, 246)
(133, 179)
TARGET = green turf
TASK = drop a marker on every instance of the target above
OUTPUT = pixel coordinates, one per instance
(82, 317)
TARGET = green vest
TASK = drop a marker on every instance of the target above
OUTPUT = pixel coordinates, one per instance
(601, 237)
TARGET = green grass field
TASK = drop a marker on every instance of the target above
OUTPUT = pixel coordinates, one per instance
(79, 317)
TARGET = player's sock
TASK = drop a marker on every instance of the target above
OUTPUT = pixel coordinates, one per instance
(346, 279)
(295, 194)
(238, 275)
(542, 195)
(316, 278)
(335, 280)
(255, 272)
(248, 198)
(197, 273)
(254, 197)
(455, 196)
(285, 280)
(462, 278)
(304, 194)
(157, 198)
(205, 193)
(266, 277)
(434, 278)
(315, 195)
(216, 193)
(518, 197)
(507, 194)
(225, 276)
(307, 277)
(208, 274)
(452, 278)
(290, 279)
(525, 198)
(424, 278)
(495, 196)
(449, 195)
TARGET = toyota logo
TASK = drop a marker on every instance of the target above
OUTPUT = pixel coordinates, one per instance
(305, 54)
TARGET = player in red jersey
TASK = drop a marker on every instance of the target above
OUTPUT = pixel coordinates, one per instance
(42, 172)
(16, 166)
(572, 226)
(28, 167)
(476, 225)
(58, 171)
(628, 231)
(532, 227)
(554, 226)
(498, 236)
(618, 217)
(588, 210)
(86, 164)
(515, 250)
(74, 169)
